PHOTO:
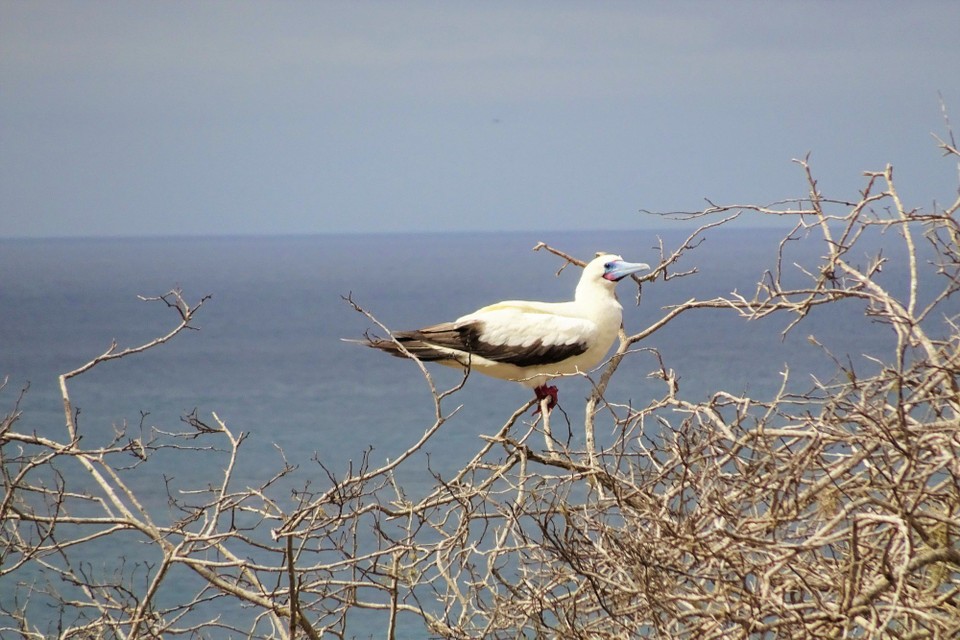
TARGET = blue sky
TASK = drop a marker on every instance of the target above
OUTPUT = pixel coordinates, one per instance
(177, 118)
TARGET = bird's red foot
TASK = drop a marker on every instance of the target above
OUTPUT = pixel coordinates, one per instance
(548, 392)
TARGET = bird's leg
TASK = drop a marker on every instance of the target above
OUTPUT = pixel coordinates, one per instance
(547, 392)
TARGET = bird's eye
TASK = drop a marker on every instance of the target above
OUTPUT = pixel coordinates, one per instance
(608, 265)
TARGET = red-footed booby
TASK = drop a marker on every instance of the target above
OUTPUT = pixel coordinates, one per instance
(525, 341)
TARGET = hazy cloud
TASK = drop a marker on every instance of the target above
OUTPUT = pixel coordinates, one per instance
(302, 117)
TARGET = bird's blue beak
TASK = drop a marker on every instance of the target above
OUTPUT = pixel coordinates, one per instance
(618, 269)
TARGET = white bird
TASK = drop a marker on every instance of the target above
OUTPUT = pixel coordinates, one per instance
(524, 341)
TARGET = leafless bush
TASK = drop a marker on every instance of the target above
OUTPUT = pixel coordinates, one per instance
(832, 512)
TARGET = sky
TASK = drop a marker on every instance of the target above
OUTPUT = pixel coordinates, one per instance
(235, 118)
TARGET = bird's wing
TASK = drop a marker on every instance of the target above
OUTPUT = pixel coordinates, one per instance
(518, 333)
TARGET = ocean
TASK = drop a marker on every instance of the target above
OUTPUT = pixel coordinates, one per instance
(269, 360)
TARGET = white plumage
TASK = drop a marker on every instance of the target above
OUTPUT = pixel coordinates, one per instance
(525, 341)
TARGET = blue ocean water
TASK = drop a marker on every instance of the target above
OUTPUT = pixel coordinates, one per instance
(268, 355)
(269, 359)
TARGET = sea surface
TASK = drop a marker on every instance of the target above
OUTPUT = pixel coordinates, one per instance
(269, 360)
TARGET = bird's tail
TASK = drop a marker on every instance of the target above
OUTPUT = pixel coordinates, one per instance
(413, 345)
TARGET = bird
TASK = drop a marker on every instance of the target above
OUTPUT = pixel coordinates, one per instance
(526, 341)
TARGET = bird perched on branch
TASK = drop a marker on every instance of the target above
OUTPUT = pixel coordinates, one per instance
(524, 341)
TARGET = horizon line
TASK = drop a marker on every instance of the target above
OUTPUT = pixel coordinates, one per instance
(683, 226)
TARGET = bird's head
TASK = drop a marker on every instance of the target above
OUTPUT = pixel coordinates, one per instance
(601, 275)
(611, 268)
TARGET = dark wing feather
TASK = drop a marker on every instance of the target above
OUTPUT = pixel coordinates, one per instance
(466, 337)
(416, 348)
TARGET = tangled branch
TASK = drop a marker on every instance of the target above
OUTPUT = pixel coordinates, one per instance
(831, 511)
